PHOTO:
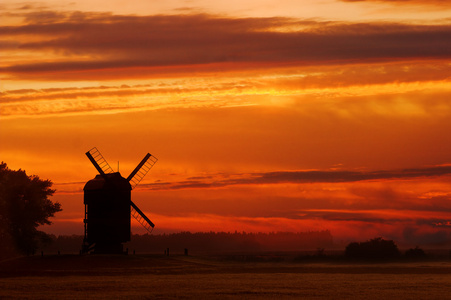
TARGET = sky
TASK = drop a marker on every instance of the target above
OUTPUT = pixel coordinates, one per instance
(265, 116)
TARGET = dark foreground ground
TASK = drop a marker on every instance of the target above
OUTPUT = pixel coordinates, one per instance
(218, 277)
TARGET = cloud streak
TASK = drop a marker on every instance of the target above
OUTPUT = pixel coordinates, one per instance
(296, 84)
(304, 177)
(86, 42)
(307, 77)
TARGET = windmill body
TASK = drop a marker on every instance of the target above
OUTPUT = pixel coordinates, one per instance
(108, 206)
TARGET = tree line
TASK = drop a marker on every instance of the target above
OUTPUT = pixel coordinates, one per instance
(209, 242)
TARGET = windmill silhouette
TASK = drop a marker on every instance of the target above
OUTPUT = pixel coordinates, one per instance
(108, 205)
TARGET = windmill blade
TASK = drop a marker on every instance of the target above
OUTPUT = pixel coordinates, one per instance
(99, 162)
(141, 170)
(141, 217)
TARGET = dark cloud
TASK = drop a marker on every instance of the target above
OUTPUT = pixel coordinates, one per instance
(414, 235)
(435, 222)
(376, 216)
(439, 3)
(152, 41)
(355, 216)
(308, 177)
(43, 16)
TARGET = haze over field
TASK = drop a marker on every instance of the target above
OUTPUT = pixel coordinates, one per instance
(265, 115)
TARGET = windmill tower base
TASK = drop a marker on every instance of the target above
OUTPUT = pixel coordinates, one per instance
(109, 248)
(104, 248)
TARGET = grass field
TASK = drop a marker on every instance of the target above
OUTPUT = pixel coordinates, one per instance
(208, 277)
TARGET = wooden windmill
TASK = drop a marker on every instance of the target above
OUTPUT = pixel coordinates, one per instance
(108, 205)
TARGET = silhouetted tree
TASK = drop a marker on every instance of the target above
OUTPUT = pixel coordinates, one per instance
(24, 205)
(376, 249)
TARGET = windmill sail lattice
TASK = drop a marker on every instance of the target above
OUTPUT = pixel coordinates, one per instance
(141, 170)
(134, 178)
(141, 218)
(98, 161)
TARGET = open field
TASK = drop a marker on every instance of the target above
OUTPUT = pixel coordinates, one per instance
(158, 276)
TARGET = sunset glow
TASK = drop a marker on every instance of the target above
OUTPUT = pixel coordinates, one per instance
(264, 115)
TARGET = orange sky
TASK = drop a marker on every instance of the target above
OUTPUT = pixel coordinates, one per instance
(265, 115)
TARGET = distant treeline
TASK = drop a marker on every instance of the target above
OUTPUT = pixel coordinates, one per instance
(208, 241)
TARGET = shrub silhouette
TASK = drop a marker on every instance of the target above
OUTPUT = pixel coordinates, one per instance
(375, 249)
(415, 253)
